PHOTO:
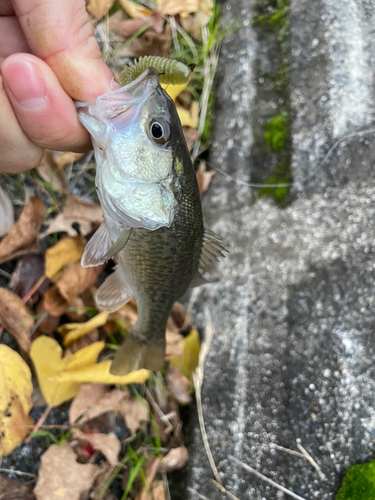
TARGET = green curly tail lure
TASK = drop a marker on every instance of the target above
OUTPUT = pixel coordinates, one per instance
(170, 71)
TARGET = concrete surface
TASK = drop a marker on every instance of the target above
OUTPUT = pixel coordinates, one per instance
(293, 305)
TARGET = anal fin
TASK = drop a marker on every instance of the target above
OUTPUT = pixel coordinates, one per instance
(101, 248)
(113, 293)
(133, 356)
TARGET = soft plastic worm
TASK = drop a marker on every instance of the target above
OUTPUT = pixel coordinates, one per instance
(170, 70)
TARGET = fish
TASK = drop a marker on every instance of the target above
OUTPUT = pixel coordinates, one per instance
(152, 214)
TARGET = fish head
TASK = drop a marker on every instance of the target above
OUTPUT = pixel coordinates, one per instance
(138, 141)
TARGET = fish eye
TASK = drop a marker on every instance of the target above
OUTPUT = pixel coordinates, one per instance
(159, 131)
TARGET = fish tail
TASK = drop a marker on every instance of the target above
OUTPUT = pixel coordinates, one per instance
(134, 355)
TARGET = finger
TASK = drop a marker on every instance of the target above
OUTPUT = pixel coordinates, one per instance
(12, 38)
(62, 35)
(6, 8)
(45, 112)
(17, 152)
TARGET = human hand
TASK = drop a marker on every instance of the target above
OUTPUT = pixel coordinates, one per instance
(48, 56)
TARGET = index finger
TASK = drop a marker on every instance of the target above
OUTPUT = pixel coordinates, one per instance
(62, 35)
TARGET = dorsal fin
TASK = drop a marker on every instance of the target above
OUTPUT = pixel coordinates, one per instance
(213, 248)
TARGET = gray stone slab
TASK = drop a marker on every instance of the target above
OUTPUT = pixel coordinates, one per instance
(293, 304)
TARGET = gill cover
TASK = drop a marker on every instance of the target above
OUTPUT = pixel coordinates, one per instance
(134, 176)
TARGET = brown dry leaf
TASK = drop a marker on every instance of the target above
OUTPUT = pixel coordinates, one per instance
(134, 412)
(151, 43)
(61, 476)
(50, 172)
(93, 401)
(76, 210)
(176, 458)
(6, 213)
(14, 490)
(76, 279)
(66, 251)
(105, 472)
(22, 237)
(65, 158)
(29, 270)
(204, 177)
(158, 491)
(150, 474)
(135, 10)
(108, 444)
(128, 27)
(15, 399)
(191, 136)
(15, 317)
(175, 344)
(178, 386)
(99, 8)
(53, 303)
(180, 316)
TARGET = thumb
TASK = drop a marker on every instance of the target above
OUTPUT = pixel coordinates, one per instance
(62, 35)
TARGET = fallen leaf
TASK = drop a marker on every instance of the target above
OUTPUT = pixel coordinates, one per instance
(6, 213)
(204, 177)
(128, 27)
(174, 90)
(74, 331)
(176, 458)
(77, 279)
(15, 317)
(22, 236)
(158, 491)
(15, 399)
(53, 303)
(188, 362)
(66, 251)
(175, 345)
(191, 136)
(65, 158)
(99, 486)
(179, 387)
(150, 474)
(108, 444)
(61, 476)
(15, 490)
(189, 117)
(181, 317)
(94, 400)
(61, 377)
(185, 7)
(29, 269)
(76, 210)
(99, 8)
(50, 172)
(150, 43)
(135, 10)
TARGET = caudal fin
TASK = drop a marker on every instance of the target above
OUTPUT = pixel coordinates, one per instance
(133, 356)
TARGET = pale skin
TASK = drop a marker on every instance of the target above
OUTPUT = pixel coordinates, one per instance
(49, 57)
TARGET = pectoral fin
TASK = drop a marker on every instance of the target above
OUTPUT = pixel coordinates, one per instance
(101, 248)
(213, 248)
(114, 292)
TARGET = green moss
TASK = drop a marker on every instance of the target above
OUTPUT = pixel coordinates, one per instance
(276, 131)
(359, 483)
(281, 194)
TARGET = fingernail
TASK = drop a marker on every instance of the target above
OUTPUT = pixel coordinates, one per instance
(25, 84)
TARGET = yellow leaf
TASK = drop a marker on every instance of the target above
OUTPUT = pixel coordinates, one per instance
(189, 118)
(174, 90)
(188, 362)
(61, 377)
(99, 8)
(134, 10)
(15, 399)
(66, 251)
(74, 331)
(185, 7)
